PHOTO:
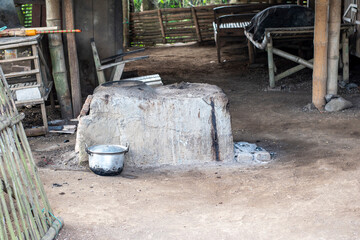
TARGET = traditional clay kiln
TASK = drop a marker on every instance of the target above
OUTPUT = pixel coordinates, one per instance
(176, 124)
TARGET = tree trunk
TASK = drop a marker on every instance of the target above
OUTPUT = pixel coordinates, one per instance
(53, 19)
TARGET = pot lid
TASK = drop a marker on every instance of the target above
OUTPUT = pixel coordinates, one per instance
(107, 149)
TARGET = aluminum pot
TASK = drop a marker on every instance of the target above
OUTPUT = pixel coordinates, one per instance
(107, 160)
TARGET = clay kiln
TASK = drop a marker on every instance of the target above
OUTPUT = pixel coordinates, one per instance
(185, 123)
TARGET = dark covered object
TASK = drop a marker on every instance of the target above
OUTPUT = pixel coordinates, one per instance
(8, 15)
(278, 17)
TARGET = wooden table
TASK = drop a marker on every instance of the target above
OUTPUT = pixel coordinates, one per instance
(296, 34)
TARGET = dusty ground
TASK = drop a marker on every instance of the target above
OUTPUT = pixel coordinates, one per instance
(310, 191)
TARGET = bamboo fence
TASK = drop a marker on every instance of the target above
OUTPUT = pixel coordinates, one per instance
(25, 212)
(174, 25)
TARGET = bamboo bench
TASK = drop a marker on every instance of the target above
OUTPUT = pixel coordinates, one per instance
(230, 22)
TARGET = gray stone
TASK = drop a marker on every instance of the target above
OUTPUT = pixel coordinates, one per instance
(244, 157)
(262, 156)
(351, 86)
(249, 153)
(342, 84)
(328, 97)
(337, 104)
(309, 107)
(173, 125)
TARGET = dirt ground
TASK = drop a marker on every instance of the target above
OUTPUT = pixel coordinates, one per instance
(311, 189)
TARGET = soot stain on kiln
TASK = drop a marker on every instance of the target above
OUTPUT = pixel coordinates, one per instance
(214, 134)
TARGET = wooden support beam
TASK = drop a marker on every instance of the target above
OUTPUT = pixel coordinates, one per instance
(251, 52)
(161, 26)
(73, 58)
(345, 56)
(292, 57)
(291, 71)
(334, 42)
(320, 53)
(196, 23)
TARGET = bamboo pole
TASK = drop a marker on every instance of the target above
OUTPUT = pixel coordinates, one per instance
(333, 50)
(53, 19)
(3, 233)
(17, 162)
(54, 229)
(73, 58)
(269, 50)
(320, 53)
(23, 204)
(126, 22)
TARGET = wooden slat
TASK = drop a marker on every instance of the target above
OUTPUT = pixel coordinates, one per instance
(20, 74)
(18, 59)
(18, 45)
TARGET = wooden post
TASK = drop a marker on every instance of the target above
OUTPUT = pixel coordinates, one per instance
(269, 50)
(251, 52)
(345, 56)
(126, 22)
(53, 19)
(100, 73)
(161, 26)
(334, 42)
(196, 23)
(73, 58)
(357, 33)
(320, 53)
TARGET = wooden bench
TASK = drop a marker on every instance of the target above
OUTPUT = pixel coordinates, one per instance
(230, 22)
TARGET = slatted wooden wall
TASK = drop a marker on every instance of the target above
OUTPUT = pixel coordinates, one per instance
(172, 25)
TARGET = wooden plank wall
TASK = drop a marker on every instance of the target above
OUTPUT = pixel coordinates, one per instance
(101, 20)
(172, 25)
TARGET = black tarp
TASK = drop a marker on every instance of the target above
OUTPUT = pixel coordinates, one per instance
(279, 16)
(8, 15)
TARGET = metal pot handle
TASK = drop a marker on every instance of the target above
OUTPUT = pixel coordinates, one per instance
(87, 150)
(127, 147)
